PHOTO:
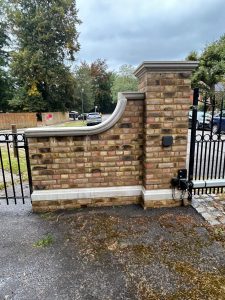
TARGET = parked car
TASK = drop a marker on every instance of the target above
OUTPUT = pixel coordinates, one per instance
(200, 120)
(73, 114)
(219, 123)
(82, 116)
(94, 118)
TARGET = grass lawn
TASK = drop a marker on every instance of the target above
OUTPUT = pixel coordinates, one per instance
(14, 162)
(79, 123)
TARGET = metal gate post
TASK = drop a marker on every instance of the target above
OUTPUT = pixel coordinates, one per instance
(28, 164)
(193, 138)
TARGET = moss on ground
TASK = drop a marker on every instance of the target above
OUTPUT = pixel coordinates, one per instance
(178, 246)
(204, 285)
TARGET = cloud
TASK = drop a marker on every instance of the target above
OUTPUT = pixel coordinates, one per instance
(131, 31)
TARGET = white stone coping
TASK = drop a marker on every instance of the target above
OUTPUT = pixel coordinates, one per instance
(86, 193)
(104, 192)
(160, 194)
(165, 66)
(88, 130)
(208, 183)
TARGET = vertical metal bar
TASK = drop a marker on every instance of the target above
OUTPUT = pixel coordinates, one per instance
(204, 112)
(203, 165)
(195, 175)
(205, 156)
(213, 112)
(209, 160)
(211, 139)
(220, 123)
(3, 176)
(223, 172)
(221, 159)
(200, 163)
(213, 156)
(193, 138)
(217, 158)
(10, 167)
(14, 137)
(204, 142)
(28, 163)
(19, 170)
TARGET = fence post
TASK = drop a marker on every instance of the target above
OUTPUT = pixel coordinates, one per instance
(14, 132)
(193, 137)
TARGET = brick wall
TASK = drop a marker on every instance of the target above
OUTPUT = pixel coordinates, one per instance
(22, 120)
(112, 158)
(127, 162)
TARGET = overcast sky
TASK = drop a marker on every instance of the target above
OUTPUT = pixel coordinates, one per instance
(133, 31)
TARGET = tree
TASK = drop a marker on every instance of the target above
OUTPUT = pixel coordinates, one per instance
(6, 88)
(124, 80)
(101, 86)
(84, 92)
(94, 87)
(211, 69)
(46, 36)
(192, 56)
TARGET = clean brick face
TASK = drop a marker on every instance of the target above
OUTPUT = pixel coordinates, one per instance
(112, 158)
(166, 113)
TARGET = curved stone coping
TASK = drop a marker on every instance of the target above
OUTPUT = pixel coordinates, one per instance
(165, 66)
(96, 129)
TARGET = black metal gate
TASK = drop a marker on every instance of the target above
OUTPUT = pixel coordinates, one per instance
(207, 144)
(15, 173)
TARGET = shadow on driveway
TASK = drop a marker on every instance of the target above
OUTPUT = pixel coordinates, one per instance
(110, 253)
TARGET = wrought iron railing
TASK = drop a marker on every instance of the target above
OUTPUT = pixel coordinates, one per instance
(15, 173)
(207, 147)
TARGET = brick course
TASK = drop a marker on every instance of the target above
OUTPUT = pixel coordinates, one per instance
(44, 206)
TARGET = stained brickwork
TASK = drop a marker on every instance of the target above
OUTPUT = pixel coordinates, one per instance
(44, 206)
(112, 158)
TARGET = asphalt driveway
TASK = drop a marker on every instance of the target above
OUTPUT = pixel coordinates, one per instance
(110, 253)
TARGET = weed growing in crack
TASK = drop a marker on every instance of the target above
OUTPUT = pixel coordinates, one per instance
(44, 242)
